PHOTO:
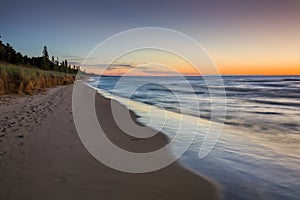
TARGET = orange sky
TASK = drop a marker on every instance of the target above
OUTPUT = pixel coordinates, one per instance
(159, 63)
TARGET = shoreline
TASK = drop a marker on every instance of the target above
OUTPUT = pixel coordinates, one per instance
(246, 173)
(51, 162)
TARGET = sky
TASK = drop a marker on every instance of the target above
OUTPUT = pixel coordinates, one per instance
(240, 36)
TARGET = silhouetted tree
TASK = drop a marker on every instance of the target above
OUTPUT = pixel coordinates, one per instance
(45, 59)
(10, 55)
(45, 53)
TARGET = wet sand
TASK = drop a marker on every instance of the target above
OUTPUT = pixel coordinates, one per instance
(42, 157)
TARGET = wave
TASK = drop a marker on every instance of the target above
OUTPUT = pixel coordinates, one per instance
(289, 104)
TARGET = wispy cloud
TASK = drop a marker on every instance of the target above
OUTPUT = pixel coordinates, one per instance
(109, 67)
(112, 67)
(131, 69)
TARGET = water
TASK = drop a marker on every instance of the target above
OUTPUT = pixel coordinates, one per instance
(258, 153)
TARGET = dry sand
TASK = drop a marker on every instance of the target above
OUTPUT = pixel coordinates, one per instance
(42, 157)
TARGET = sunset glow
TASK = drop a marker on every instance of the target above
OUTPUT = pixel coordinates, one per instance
(242, 37)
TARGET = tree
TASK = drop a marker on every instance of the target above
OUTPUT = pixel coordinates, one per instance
(52, 63)
(45, 53)
(45, 59)
(10, 55)
(66, 63)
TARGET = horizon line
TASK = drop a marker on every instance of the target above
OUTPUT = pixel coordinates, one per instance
(197, 75)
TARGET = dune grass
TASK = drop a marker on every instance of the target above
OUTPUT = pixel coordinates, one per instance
(22, 80)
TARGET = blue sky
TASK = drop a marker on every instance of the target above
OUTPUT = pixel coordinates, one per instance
(231, 30)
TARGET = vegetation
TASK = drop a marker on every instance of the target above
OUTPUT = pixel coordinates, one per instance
(22, 74)
(10, 55)
(15, 79)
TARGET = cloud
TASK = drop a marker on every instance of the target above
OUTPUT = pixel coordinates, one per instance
(91, 63)
(119, 66)
(131, 69)
(76, 60)
(109, 67)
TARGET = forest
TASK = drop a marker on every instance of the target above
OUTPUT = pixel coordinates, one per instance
(9, 55)
(21, 74)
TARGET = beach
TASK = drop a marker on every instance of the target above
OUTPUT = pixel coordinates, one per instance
(259, 140)
(42, 157)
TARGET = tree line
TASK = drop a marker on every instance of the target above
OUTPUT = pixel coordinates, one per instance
(10, 55)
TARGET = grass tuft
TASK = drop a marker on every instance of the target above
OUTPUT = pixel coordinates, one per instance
(22, 80)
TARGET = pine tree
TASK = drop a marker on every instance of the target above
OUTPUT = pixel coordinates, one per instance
(45, 53)
(45, 59)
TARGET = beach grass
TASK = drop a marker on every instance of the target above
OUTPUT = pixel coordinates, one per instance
(27, 80)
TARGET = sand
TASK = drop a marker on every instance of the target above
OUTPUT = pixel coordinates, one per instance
(42, 157)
